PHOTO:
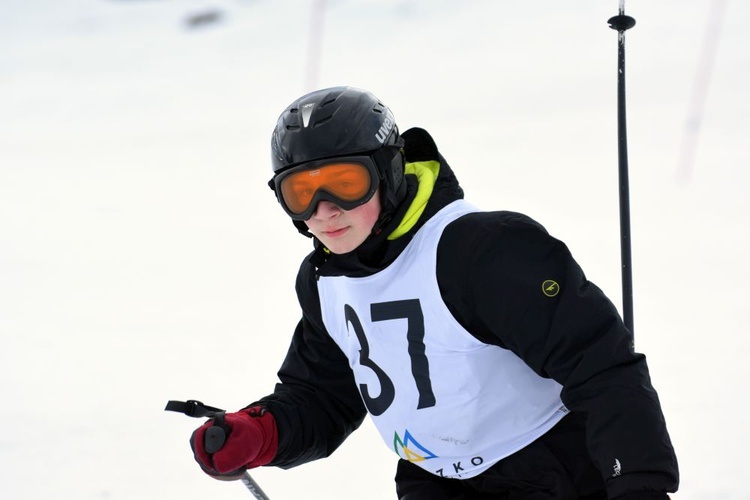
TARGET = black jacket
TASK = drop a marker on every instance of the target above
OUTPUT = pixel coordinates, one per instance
(491, 266)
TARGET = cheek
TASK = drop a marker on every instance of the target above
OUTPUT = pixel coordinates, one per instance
(371, 212)
(372, 216)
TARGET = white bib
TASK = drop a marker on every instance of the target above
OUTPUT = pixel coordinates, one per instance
(439, 397)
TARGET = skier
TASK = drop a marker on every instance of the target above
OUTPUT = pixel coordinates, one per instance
(486, 359)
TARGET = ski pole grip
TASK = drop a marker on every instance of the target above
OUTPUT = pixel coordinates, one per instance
(215, 435)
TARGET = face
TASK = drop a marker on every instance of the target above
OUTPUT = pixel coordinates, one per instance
(341, 231)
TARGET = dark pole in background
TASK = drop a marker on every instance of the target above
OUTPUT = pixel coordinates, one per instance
(621, 23)
(701, 84)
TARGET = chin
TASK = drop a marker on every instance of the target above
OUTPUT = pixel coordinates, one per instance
(340, 247)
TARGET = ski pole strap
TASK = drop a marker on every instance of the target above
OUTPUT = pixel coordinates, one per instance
(193, 408)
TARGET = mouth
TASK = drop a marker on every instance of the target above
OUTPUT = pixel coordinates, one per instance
(333, 233)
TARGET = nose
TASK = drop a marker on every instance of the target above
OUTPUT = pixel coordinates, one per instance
(326, 210)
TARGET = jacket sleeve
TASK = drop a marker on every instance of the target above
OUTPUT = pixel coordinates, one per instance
(491, 271)
(316, 405)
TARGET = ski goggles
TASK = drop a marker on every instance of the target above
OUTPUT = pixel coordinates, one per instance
(348, 182)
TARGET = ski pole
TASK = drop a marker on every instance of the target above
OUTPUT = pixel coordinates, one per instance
(215, 435)
(622, 23)
(251, 485)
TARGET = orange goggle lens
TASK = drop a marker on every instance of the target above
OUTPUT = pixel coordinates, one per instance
(348, 182)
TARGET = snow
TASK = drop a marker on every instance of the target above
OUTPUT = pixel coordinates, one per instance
(143, 258)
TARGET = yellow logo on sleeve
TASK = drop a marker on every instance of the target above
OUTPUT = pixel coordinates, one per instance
(550, 288)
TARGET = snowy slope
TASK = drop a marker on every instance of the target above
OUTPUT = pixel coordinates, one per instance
(143, 258)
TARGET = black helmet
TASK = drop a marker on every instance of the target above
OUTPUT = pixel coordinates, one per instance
(341, 121)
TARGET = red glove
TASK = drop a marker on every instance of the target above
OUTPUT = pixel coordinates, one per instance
(251, 441)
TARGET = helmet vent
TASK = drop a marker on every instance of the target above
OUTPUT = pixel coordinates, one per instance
(322, 121)
(292, 127)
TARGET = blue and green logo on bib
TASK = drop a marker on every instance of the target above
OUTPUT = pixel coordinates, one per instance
(409, 448)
